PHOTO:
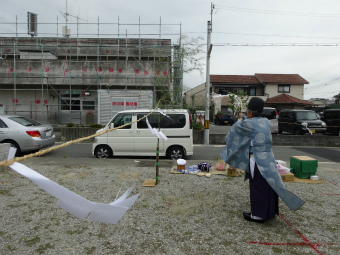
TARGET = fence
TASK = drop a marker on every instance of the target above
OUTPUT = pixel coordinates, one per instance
(50, 113)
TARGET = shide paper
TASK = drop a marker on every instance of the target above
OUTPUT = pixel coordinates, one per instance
(154, 131)
(74, 203)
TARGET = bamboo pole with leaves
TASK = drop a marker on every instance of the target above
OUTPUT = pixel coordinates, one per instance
(157, 150)
(157, 162)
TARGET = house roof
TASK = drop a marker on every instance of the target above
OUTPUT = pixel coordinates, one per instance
(234, 79)
(286, 99)
(281, 78)
(258, 78)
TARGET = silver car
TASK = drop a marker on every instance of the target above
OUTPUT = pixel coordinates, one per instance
(25, 134)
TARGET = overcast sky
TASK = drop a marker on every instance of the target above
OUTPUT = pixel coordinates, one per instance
(242, 32)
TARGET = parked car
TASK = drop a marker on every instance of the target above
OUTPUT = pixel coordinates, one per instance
(332, 119)
(299, 122)
(271, 114)
(25, 134)
(137, 140)
(224, 118)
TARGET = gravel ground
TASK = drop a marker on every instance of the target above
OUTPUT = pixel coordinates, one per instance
(183, 214)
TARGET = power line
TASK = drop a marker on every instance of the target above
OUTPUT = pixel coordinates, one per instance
(296, 36)
(317, 15)
(327, 69)
(331, 82)
(276, 44)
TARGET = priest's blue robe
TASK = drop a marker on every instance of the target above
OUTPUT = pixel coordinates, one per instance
(254, 136)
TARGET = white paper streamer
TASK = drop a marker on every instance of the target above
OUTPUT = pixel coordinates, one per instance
(161, 111)
(156, 133)
(163, 135)
(149, 126)
(74, 203)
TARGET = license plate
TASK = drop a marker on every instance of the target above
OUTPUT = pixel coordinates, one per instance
(49, 133)
(312, 130)
(225, 121)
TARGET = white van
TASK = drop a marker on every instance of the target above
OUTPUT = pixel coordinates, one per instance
(137, 140)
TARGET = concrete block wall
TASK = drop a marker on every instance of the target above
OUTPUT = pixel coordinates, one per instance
(4, 149)
(67, 134)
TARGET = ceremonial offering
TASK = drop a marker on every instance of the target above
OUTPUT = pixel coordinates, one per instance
(204, 166)
(181, 164)
(303, 166)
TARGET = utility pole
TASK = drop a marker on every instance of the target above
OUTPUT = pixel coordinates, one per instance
(207, 83)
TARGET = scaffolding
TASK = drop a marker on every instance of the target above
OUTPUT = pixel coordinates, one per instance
(43, 77)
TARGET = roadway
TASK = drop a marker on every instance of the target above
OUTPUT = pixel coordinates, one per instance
(212, 152)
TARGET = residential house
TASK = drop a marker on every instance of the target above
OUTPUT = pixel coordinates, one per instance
(261, 85)
(285, 101)
(320, 103)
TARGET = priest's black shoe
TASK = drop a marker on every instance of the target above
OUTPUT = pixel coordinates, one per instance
(247, 216)
(245, 213)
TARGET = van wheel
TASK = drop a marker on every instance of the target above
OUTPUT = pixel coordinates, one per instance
(103, 151)
(176, 152)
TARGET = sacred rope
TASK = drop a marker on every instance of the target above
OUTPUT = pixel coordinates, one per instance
(5, 163)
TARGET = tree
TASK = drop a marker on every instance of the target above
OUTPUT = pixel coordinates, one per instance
(187, 56)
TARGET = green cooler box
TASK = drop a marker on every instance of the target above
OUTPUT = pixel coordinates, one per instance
(303, 166)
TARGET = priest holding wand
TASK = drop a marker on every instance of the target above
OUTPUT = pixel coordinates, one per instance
(249, 148)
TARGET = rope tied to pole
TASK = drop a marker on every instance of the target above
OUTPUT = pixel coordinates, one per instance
(5, 163)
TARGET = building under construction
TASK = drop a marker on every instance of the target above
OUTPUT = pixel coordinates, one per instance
(64, 79)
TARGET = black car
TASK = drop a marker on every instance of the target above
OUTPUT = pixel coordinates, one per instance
(300, 122)
(332, 119)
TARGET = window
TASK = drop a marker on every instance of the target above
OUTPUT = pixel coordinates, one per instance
(173, 121)
(252, 91)
(74, 93)
(122, 119)
(2, 124)
(269, 113)
(153, 119)
(284, 88)
(291, 115)
(26, 121)
(306, 116)
(88, 105)
(70, 104)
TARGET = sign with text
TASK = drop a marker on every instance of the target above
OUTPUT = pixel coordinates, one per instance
(123, 103)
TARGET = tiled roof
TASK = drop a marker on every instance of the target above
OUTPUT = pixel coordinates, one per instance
(234, 79)
(281, 78)
(285, 99)
(258, 78)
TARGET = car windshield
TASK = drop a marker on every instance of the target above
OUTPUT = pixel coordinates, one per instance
(306, 116)
(269, 113)
(25, 121)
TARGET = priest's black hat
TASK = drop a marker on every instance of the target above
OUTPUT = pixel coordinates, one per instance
(255, 104)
